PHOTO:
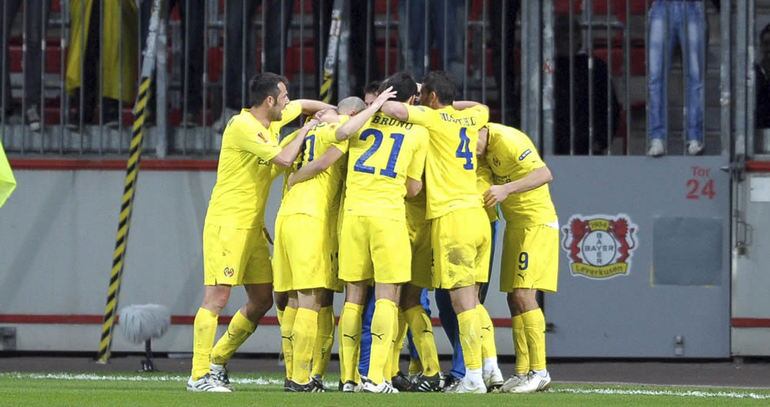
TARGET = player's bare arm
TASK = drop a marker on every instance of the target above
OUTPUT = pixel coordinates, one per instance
(413, 187)
(498, 193)
(289, 152)
(396, 109)
(315, 167)
(356, 122)
(310, 106)
(466, 104)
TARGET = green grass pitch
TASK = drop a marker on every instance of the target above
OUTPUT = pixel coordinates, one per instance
(133, 389)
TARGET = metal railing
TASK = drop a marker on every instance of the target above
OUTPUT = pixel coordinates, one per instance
(591, 99)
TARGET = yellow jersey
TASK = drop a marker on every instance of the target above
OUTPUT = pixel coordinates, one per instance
(450, 170)
(415, 210)
(484, 180)
(245, 172)
(320, 194)
(511, 155)
(381, 155)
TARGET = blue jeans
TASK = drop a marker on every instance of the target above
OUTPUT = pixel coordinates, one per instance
(674, 23)
(444, 33)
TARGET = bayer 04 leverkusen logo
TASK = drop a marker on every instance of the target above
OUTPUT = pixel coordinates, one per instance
(599, 246)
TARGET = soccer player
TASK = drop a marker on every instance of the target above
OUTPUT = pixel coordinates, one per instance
(235, 251)
(385, 164)
(370, 92)
(301, 259)
(411, 305)
(530, 259)
(460, 236)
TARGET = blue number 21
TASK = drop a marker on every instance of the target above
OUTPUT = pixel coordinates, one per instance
(390, 168)
(464, 151)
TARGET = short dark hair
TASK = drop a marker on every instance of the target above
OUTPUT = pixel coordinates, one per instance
(403, 83)
(441, 83)
(372, 87)
(263, 85)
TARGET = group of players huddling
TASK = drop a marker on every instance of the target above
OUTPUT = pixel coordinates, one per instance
(392, 195)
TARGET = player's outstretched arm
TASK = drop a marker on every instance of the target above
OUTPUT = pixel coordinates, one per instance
(498, 193)
(466, 104)
(356, 122)
(413, 187)
(289, 152)
(315, 167)
(310, 106)
(396, 109)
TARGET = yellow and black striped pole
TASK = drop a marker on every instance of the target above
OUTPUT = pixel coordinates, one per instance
(330, 62)
(129, 186)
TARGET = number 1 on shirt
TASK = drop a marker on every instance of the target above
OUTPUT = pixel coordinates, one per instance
(464, 151)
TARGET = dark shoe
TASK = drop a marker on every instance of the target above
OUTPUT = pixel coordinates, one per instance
(402, 383)
(319, 383)
(294, 387)
(349, 387)
(426, 384)
(449, 381)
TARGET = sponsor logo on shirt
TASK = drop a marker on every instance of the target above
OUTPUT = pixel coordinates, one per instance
(525, 154)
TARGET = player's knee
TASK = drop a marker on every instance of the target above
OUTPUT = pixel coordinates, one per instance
(524, 300)
(281, 300)
(261, 305)
(215, 298)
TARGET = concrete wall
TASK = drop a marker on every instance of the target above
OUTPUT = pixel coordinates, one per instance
(57, 235)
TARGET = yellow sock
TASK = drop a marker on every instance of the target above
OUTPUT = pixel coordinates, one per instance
(287, 341)
(350, 341)
(470, 338)
(279, 314)
(204, 332)
(534, 329)
(520, 346)
(304, 332)
(383, 323)
(239, 329)
(422, 335)
(322, 349)
(415, 366)
(393, 365)
(488, 347)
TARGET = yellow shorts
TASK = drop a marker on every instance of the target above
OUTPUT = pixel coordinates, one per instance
(300, 258)
(235, 256)
(461, 243)
(422, 254)
(530, 258)
(332, 250)
(372, 247)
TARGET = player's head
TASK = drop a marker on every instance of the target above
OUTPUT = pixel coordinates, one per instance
(351, 105)
(370, 92)
(269, 91)
(438, 89)
(327, 116)
(404, 85)
(481, 144)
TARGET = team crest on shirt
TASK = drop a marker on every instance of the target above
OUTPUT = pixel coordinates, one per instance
(599, 246)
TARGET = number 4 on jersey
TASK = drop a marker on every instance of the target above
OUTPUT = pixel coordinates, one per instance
(464, 150)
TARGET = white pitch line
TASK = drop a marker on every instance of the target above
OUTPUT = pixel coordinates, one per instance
(688, 393)
(263, 381)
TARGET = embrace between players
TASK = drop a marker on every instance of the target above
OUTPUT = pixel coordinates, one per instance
(391, 195)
